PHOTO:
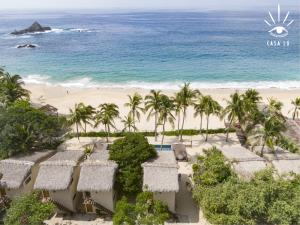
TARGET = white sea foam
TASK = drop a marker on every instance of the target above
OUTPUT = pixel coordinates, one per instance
(87, 82)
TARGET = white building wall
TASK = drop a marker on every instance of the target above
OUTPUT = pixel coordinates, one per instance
(104, 198)
(68, 198)
(166, 197)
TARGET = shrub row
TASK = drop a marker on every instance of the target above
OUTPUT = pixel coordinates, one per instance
(189, 132)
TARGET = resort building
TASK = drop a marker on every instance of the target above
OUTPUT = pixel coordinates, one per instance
(96, 182)
(161, 178)
(19, 173)
(244, 162)
(283, 161)
(57, 179)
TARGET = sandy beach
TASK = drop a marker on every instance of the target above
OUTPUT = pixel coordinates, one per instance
(65, 98)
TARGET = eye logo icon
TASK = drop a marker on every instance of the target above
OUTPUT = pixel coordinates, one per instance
(278, 27)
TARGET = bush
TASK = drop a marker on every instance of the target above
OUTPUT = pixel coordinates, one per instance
(145, 211)
(288, 145)
(130, 152)
(226, 199)
(192, 132)
(28, 210)
(24, 128)
(104, 134)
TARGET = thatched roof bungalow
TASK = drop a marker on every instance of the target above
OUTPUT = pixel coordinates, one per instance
(19, 172)
(244, 162)
(161, 177)
(58, 176)
(283, 161)
(96, 181)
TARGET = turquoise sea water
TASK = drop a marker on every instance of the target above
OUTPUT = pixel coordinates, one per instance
(155, 49)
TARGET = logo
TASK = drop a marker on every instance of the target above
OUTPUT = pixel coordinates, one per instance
(279, 27)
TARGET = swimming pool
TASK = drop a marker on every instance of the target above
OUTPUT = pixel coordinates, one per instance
(164, 147)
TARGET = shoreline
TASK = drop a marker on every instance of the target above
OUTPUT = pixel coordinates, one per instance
(65, 98)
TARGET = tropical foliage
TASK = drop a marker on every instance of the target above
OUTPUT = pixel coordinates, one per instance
(225, 199)
(153, 105)
(134, 106)
(146, 211)
(11, 88)
(165, 114)
(29, 210)
(106, 115)
(211, 107)
(296, 109)
(25, 129)
(130, 152)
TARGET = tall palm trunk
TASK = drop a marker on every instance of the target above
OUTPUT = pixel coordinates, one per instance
(294, 114)
(108, 132)
(227, 131)
(183, 118)
(207, 120)
(163, 135)
(105, 127)
(84, 127)
(133, 118)
(201, 118)
(77, 131)
(155, 126)
(262, 149)
(178, 123)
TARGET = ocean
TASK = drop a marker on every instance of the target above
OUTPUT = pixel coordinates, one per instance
(161, 50)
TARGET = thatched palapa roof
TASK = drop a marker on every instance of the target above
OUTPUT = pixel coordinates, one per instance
(56, 173)
(245, 163)
(161, 174)
(16, 169)
(97, 173)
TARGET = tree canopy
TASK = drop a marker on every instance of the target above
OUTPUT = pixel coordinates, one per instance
(28, 210)
(24, 128)
(225, 199)
(146, 211)
(130, 152)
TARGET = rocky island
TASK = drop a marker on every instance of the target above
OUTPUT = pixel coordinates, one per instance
(35, 27)
(26, 46)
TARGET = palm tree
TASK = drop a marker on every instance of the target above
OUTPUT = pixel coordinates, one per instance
(177, 107)
(165, 114)
(199, 110)
(234, 110)
(186, 95)
(134, 105)
(75, 117)
(87, 113)
(296, 110)
(267, 134)
(128, 124)
(274, 108)
(211, 107)
(152, 104)
(252, 96)
(106, 115)
(11, 88)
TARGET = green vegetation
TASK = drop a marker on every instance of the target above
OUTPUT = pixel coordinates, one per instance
(24, 129)
(130, 152)
(165, 114)
(186, 97)
(225, 199)
(192, 132)
(153, 105)
(146, 211)
(106, 115)
(288, 145)
(296, 109)
(28, 210)
(112, 134)
(211, 107)
(81, 114)
(134, 106)
(11, 88)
